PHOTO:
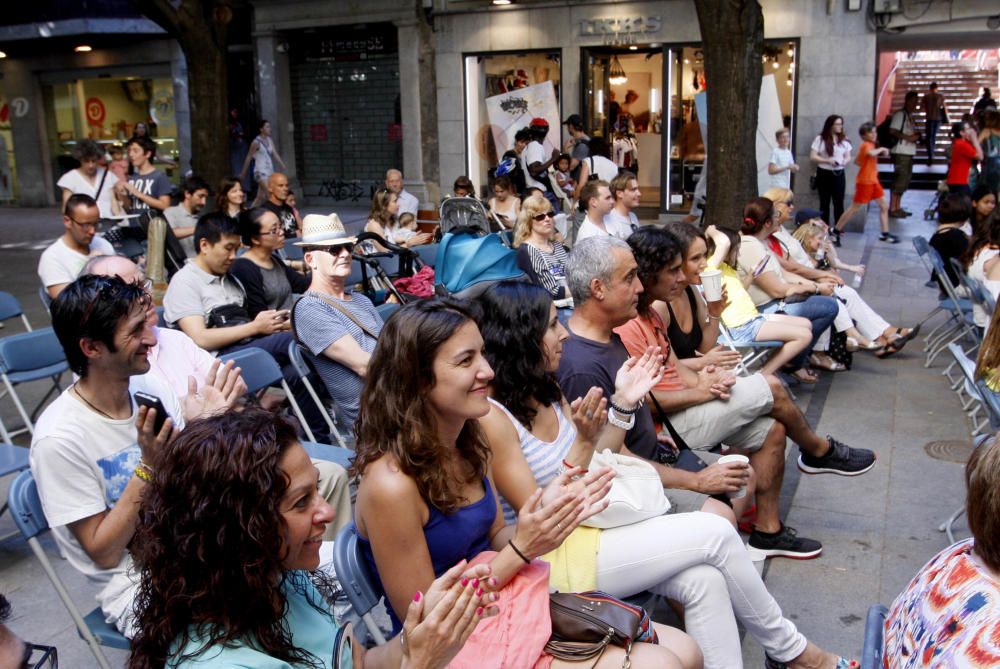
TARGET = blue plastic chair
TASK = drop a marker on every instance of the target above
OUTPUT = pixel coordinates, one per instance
(427, 253)
(871, 657)
(11, 308)
(26, 508)
(293, 252)
(342, 456)
(26, 357)
(386, 309)
(260, 370)
(357, 579)
(301, 363)
(959, 325)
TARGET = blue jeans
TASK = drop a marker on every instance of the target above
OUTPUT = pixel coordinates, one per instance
(931, 130)
(819, 309)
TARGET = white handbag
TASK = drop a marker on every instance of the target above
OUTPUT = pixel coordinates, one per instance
(636, 491)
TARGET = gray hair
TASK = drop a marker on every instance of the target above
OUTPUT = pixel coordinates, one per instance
(591, 258)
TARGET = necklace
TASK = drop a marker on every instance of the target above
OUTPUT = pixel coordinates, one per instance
(88, 403)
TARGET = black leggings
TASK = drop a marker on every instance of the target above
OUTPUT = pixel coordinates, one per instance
(831, 185)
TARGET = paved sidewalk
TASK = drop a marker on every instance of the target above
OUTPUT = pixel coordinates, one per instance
(877, 530)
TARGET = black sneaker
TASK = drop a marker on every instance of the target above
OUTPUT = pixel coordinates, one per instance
(785, 543)
(889, 237)
(835, 236)
(840, 459)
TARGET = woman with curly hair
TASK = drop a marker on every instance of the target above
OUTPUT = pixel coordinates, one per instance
(230, 529)
(539, 254)
(695, 559)
(382, 221)
(426, 497)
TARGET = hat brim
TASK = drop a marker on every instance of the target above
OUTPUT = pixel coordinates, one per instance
(327, 241)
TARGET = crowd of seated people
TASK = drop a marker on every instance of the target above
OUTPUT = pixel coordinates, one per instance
(474, 424)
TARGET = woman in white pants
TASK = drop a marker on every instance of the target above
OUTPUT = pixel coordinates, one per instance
(696, 559)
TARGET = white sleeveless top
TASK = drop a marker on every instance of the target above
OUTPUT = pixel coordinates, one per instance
(263, 164)
(544, 457)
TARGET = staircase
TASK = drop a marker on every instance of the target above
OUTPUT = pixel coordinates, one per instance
(961, 84)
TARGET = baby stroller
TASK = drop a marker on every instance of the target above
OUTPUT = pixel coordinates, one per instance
(378, 267)
(465, 213)
(930, 213)
(469, 262)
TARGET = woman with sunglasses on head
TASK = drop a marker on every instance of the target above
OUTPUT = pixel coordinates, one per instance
(539, 253)
(382, 220)
(267, 281)
(696, 559)
(229, 547)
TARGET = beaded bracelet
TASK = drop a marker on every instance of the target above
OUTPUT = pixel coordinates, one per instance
(627, 412)
(144, 472)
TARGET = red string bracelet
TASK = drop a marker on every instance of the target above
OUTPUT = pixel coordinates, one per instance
(567, 465)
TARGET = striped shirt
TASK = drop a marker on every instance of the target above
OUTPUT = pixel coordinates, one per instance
(544, 457)
(550, 268)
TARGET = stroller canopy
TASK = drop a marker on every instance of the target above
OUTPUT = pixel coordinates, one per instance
(464, 212)
(467, 264)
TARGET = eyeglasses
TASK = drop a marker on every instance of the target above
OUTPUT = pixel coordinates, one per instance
(274, 232)
(96, 224)
(47, 656)
(543, 216)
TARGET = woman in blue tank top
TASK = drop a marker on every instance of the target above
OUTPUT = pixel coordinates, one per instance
(425, 498)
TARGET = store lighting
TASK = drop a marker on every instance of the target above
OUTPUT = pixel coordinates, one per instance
(775, 64)
(83, 48)
(633, 47)
(501, 2)
(2, 54)
(616, 73)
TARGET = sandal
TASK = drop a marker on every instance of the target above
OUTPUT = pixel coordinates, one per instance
(893, 347)
(904, 335)
(829, 364)
(805, 376)
(842, 663)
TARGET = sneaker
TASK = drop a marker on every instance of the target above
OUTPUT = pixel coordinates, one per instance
(889, 237)
(840, 459)
(785, 543)
(835, 236)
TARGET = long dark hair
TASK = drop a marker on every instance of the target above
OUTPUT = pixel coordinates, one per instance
(757, 213)
(828, 136)
(395, 418)
(515, 316)
(654, 248)
(209, 542)
(222, 195)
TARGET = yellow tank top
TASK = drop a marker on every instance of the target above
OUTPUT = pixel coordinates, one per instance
(741, 308)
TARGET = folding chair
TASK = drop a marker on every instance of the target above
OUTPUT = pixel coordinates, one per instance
(26, 508)
(960, 325)
(755, 351)
(342, 456)
(427, 253)
(357, 579)
(966, 385)
(301, 363)
(30, 356)
(871, 656)
(10, 308)
(386, 309)
(947, 525)
(43, 295)
(12, 459)
(923, 248)
(260, 370)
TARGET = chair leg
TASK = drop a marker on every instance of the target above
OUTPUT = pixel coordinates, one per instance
(326, 414)
(947, 525)
(67, 601)
(4, 434)
(20, 407)
(297, 410)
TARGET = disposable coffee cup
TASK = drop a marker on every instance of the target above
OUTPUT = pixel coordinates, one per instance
(711, 284)
(820, 253)
(742, 459)
(858, 278)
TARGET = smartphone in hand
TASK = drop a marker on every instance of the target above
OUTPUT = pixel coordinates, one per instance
(152, 402)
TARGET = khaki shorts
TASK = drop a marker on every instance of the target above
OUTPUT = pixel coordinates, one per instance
(685, 501)
(741, 422)
(902, 172)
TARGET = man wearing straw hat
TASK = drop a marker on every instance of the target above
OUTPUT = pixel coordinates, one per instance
(337, 326)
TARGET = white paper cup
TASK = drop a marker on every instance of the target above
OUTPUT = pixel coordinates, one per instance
(711, 284)
(742, 459)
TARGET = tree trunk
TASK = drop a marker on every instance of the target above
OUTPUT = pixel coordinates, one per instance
(428, 98)
(200, 28)
(732, 33)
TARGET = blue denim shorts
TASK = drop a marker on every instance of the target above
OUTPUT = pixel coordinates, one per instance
(746, 333)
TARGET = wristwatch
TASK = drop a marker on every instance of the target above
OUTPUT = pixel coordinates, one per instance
(623, 424)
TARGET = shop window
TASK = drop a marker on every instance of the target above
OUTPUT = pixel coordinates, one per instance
(8, 168)
(493, 114)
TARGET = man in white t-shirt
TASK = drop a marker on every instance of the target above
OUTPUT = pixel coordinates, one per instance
(536, 164)
(91, 179)
(62, 261)
(92, 447)
(184, 216)
(596, 200)
(408, 203)
(621, 220)
(904, 130)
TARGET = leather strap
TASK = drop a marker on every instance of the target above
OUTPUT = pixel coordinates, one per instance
(339, 307)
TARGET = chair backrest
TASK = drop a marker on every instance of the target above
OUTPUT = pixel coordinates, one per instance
(9, 306)
(296, 354)
(427, 253)
(26, 506)
(342, 456)
(353, 571)
(921, 245)
(938, 263)
(871, 657)
(43, 295)
(386, 308)
(293, 252)
(259, 368)
(30, 350)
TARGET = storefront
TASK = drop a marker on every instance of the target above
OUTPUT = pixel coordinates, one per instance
(635, 73)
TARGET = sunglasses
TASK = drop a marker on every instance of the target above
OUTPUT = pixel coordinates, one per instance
(542, 217)
(334, 250)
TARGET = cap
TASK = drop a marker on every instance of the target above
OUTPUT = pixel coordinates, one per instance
(803, 215)
(539, 122)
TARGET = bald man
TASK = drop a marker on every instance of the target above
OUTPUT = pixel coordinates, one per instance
(277, 194)
(408, 204)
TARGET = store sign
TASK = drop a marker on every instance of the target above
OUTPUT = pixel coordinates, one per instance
(20, 107)
(620, 29)
(95, 111)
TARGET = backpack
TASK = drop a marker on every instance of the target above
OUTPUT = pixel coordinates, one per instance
(886, 138)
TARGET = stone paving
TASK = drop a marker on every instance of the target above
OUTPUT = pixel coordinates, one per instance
(877, 530)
